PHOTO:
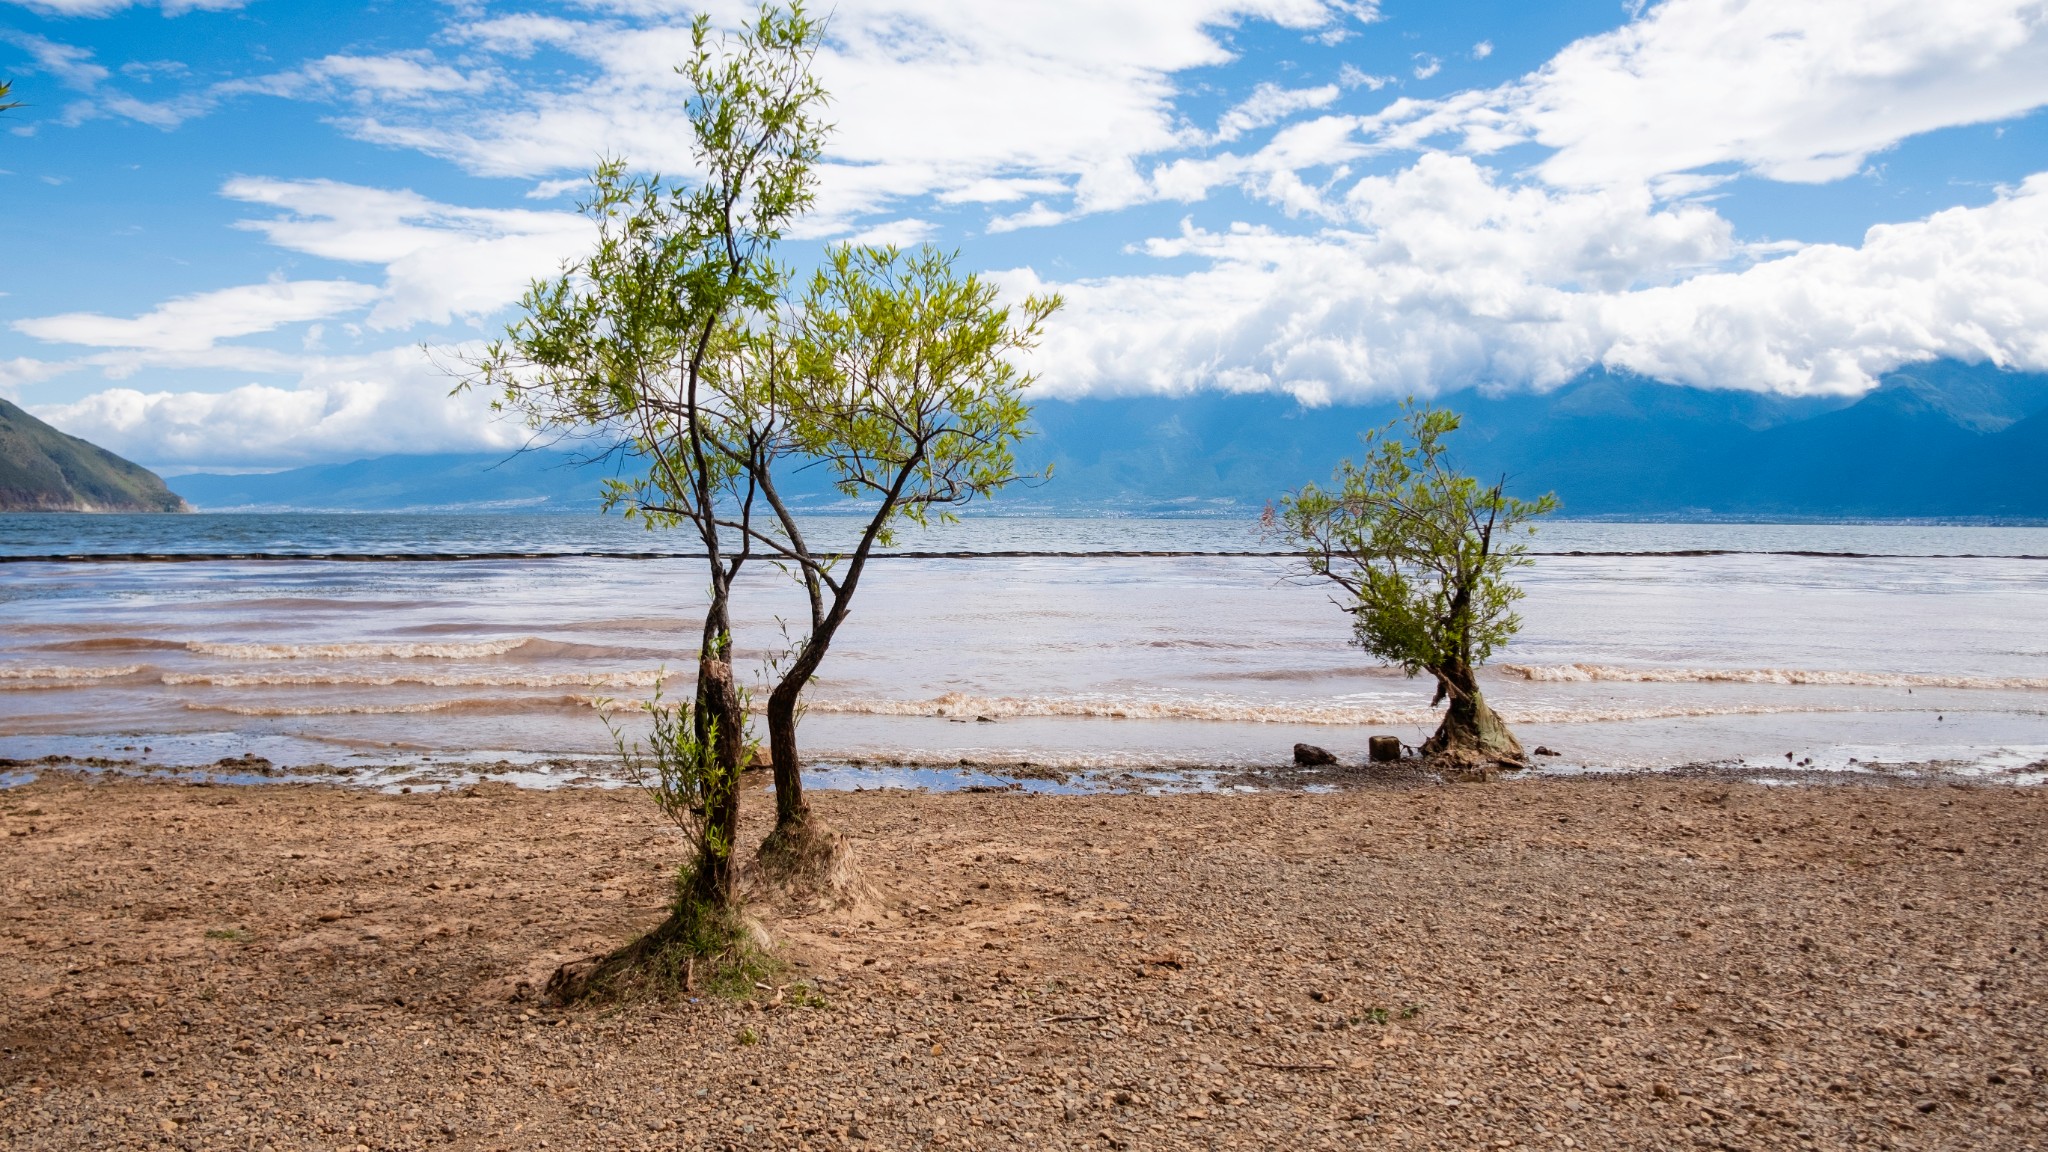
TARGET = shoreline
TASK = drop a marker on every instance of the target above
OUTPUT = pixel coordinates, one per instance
(428, 774)
(1626, 962)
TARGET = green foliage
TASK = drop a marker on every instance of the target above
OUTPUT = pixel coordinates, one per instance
(680, 769)
(42, 469)
(6, 90)
(650, 339)
(1422, 552)
(703, 948)
(908, 389)
(681, 342)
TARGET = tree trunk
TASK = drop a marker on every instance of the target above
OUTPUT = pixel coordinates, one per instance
(790, 806)
(1470, 728)
(801, 853)
(718, 702)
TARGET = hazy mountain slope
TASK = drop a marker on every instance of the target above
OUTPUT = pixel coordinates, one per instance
(530, 481)
(44, 470)
(1935, 440)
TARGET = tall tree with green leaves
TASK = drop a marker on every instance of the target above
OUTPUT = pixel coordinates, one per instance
(902, 380)
(650, 343)
(1424, 557)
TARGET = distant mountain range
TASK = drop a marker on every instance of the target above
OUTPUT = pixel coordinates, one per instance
(43, 470)
(1940, 440)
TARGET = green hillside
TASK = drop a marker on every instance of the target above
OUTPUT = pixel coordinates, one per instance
(43, 470)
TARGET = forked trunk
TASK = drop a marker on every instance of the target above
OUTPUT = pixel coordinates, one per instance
(1470, 728)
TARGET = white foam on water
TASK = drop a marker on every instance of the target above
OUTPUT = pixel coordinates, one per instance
(473, 704)
(66, 671)
(364, 650)
(599, 679)
(1589, 673)
(955, 705)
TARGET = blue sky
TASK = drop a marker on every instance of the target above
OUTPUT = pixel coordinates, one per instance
(234, 223)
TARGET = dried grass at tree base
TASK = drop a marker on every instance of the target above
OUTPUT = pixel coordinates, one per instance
(701, 948)
(808, 863)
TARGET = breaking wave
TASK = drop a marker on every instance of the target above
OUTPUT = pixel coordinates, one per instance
(402, 650)
(955, 705)
(484, 704)
(640, 679)
(114, 644)
(66, 672)
(1585, 673)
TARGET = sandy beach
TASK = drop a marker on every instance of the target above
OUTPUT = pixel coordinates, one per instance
(1639, 962)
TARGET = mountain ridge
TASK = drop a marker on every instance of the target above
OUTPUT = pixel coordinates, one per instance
(44, 470)
(1937, 440)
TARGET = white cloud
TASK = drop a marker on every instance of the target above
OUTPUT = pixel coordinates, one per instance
(1039, 215)
(901, 233)
(75, 68)
(441, 262)
(1427, 65)
(1482, 50)
(1800, 90)
(398, 77)
(22, 370)
(1269, 104)
(197, 322)
(1350, 76)
(1966, 283)
(394, 402)
(931, 97)
(109, 7)
(1444, 276)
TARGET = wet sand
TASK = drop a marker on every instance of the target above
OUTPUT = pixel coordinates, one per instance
(1545, 963)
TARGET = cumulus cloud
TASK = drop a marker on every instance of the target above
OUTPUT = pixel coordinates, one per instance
(394, 402)
(197, 322)
(441, 262)
(1797, 90)
(1444, 276)
(1966, 283)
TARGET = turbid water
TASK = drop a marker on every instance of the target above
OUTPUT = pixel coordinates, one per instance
(1644, 646)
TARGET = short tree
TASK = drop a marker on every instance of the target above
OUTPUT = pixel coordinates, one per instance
(1423, 555)
(904, 385)
(649, 343)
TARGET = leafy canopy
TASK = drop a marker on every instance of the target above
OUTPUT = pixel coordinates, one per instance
(909, 392)
(652, 337)
(1422, 552)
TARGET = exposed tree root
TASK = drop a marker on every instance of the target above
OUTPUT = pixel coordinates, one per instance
(701, 948)
(1473, 743)
(808, 860)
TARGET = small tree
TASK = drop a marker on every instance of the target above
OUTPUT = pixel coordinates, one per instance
(1423, 555)
(649, 343)
(682, 765)
(903, 385)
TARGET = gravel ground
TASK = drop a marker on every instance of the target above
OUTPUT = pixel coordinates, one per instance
(1556, 963)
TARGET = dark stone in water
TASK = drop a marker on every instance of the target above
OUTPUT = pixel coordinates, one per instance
(1542, 751)
(1310, 756)
(1385, 749)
